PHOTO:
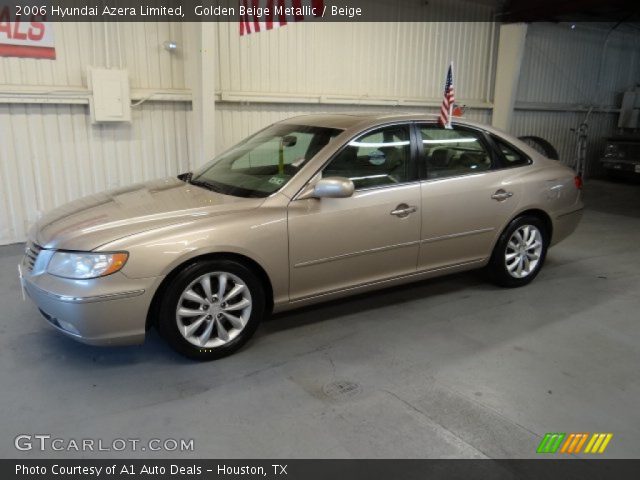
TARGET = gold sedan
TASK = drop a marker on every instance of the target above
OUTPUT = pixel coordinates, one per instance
(307, 210)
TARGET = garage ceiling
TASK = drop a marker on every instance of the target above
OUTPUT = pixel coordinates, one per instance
(571, 10)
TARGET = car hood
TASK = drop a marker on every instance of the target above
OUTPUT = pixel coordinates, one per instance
(90, 222)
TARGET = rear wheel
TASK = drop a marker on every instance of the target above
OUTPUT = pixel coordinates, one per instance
(519, 253)
(211, 309)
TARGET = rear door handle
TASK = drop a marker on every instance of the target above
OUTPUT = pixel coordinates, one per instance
(403, 210)
(501, 195)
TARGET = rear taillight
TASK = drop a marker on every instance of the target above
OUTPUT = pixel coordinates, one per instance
(578, 181)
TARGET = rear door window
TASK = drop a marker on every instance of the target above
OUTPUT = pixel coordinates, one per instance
(453, 152)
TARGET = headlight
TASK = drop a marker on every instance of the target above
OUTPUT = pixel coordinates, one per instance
(81, 266)
(611, 150)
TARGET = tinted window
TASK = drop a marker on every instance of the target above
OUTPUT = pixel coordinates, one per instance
(450, 153)
(376, 158)
(512, 158)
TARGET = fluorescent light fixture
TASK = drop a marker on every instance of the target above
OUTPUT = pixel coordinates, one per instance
(368, 177)
(451, 140)
(379, 144)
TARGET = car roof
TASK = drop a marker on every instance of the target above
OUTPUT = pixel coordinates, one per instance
(353, 123)
(347, 121)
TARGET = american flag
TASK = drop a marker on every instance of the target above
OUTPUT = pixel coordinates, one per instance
(447, 101)
(252, 23)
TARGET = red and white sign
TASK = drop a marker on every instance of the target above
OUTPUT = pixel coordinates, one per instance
(25, 36)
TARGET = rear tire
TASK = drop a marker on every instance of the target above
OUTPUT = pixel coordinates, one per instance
(211, 309)
(519, 253)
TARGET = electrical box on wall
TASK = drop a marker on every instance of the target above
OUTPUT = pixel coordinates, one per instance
(111, 98)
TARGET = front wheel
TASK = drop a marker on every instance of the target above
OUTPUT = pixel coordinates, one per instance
(211, 309)
(519, 253)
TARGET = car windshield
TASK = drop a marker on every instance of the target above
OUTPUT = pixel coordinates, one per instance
(265, 162)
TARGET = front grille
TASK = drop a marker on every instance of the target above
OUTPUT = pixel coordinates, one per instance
(31, 254)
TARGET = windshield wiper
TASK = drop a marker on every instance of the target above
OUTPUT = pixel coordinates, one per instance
(203, 184)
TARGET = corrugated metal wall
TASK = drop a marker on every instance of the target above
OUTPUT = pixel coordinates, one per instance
(581, 67)
(358, 59)
(133, 45)
(350, 63)
(51, 153)
(566, 65)
(557, 128)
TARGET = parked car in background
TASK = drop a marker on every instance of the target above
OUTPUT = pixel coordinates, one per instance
(307, 210)
(622, 156)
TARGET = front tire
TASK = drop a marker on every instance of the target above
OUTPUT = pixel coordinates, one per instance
(211, 309)
(519, 253)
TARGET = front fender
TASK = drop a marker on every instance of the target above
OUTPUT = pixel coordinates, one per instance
(260, 235)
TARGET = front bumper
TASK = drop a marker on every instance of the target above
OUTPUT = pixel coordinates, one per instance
(110, 310)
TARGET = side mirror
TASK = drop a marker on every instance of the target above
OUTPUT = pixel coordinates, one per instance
(330, 187)
(185, 177)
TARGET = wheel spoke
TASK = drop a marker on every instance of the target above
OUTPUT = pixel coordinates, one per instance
(518, 237)
(511, 266)
(510, 256)
(206, 335)
(194, 297)
(235, 291)
(188, 312)
(206, 286)
(222, 285)
(189, 330)
(236, 322)
(519, 269)
(527, 264)
(222, 332)
(532, 256)
(244, 303)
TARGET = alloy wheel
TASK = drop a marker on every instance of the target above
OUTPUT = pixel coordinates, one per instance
(523, 251)
(213, 309)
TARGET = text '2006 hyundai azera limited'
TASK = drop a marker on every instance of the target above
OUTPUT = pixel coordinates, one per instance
(306, 210)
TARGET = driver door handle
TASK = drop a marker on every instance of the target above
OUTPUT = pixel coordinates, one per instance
(501, 195)
(403, 210)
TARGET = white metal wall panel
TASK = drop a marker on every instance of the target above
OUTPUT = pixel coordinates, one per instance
(359, 59)
(73, 42)
(52, 154)
(588, 65)
(133, 45)
(578, 66)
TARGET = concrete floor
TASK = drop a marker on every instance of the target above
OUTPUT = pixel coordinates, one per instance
(452, 367)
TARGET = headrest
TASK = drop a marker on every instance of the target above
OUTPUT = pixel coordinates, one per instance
(439, 157)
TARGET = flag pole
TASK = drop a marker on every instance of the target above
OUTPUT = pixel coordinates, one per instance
(453, 85)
